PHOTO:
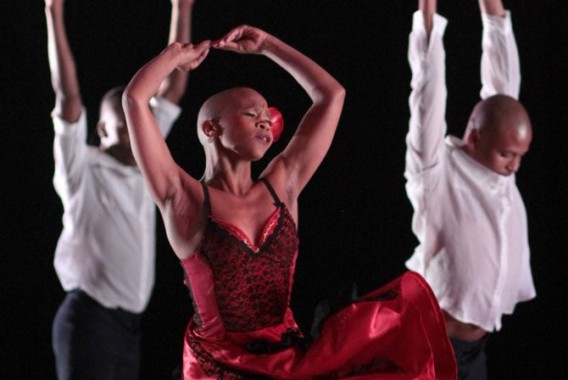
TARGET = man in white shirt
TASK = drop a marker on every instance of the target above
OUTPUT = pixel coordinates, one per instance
(469, 217)
(106, 252)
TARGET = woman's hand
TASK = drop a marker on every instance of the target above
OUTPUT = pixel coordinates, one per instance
(190, 56)
(243, 39)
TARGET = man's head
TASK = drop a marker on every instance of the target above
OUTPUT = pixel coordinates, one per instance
(112, 128)
(498, 134)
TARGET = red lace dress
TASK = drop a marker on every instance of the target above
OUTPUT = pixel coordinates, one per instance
(243, 327)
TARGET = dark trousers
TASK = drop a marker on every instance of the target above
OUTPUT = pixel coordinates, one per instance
(471, 359)
(91, 342)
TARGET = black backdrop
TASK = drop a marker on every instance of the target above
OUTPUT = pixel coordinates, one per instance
(355, 217)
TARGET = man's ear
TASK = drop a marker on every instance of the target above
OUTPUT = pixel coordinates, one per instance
(101, 129)
(473, 137)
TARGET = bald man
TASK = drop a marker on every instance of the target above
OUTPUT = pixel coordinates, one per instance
(469, 217)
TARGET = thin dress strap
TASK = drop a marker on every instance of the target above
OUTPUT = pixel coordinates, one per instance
(206, 200)
(277, 201)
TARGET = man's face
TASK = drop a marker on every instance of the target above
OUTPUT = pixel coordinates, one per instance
(115, 132)
(501, 149)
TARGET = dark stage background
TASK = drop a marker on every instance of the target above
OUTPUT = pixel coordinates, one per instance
(355, 217)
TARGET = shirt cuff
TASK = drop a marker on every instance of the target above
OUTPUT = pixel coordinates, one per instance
(63, 127)
(439, 23)
(502, 23)
(168, 107)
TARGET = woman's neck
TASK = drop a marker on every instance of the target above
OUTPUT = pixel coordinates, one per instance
(233, 177)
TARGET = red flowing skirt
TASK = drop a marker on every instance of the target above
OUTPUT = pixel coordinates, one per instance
(395, 332)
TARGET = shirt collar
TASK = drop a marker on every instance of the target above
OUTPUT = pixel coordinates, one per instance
(475, 170)
(107, 161)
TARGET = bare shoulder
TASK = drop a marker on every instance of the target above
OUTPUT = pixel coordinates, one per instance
(277, 174)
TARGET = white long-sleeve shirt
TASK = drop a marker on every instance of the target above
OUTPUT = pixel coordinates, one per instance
(470, 221)
(107, 246)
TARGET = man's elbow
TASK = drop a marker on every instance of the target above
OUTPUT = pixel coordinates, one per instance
(173, 94)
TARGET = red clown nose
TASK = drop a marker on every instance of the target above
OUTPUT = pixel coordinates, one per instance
(277, 123)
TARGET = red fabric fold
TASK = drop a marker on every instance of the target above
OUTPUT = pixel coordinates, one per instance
(402, 338)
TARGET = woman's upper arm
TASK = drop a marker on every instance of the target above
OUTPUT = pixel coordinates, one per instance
(311, 141)
(183, 215)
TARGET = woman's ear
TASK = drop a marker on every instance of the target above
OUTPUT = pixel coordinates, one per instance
(211, 129)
